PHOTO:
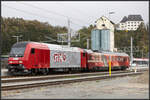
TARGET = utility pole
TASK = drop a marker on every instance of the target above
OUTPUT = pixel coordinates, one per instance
(111, 33)
(131, 54)
(69, 34)
(87, 43)
(142, 53)
(17, 37)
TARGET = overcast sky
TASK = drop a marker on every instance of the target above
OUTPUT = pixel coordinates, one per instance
(79, 13)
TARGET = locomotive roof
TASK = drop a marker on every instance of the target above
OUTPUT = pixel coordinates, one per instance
(75, 49)
(58, 47)
(20, 44)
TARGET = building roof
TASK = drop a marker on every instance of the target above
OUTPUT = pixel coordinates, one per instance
(132, 18)
(135, 18)
(124, 19)
(106, 18)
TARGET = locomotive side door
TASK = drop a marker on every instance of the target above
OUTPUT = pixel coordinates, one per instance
(36, 58)
(32, 57)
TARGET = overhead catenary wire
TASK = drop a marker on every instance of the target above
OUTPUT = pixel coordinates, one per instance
(52, 12)
(20, 10)
(49, 11)
(79, 11)
(39, 15)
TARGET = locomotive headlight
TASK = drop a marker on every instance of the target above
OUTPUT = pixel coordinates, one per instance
(10, 61)
(20, 61)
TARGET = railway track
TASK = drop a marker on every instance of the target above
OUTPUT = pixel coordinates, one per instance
(54, 80)
(63, 73)
(52, 74)
(36, 78)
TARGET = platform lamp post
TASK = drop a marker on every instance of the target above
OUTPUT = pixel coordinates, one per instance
(131, 54)
(88, 43)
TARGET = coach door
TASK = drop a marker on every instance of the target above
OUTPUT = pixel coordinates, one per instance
(104, 58)
(84, 59)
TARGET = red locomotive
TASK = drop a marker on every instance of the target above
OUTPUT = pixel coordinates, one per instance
(34, 57)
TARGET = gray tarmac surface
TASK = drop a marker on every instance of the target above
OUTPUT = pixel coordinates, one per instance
(116, 88)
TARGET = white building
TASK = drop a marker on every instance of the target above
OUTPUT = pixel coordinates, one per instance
(131, 22)
(104, 23)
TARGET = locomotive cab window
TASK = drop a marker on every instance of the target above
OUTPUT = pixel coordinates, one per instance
(32, 50)
(18, 49)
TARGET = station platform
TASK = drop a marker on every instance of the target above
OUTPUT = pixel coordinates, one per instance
(4, 72)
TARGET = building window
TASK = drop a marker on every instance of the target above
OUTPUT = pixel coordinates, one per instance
(103, 25)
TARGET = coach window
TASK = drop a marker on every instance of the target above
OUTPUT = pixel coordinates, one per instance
(113, 58)
(118, 58)
(124, 59)
(95, 57)
(90, 57)
(32, 50)
(99, 58)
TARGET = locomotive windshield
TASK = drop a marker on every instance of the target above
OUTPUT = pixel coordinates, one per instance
(18, 49)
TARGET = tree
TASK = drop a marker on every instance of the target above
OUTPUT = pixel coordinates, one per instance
(32, 30)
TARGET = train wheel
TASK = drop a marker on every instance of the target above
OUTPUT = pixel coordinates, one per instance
(33, 72)
(123, 68)
(47, 71)
(69, 71)
(42, 71)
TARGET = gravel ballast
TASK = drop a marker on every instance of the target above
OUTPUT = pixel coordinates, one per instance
(134, 87)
